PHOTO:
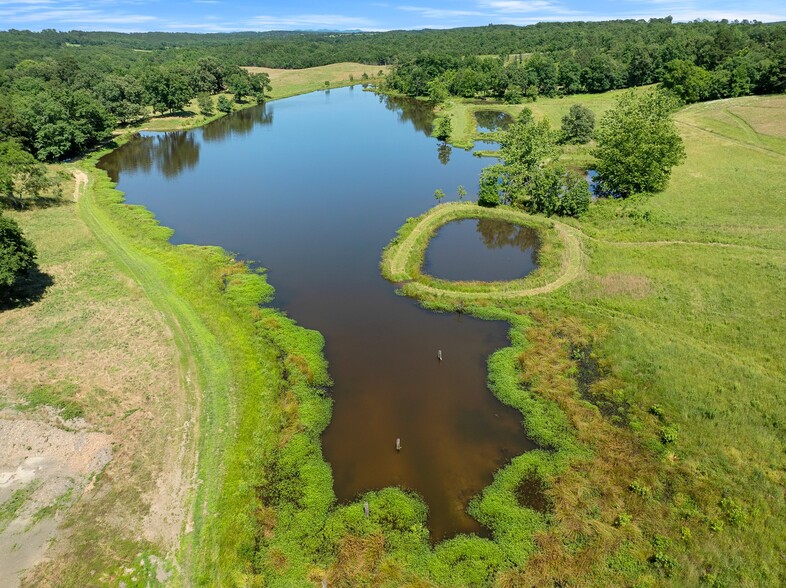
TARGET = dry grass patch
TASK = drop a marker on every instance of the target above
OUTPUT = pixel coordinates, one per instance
(624, 497)
(634, 286)
(768, 118)
(96, 332)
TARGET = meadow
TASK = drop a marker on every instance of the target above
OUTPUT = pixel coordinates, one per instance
(651, 381)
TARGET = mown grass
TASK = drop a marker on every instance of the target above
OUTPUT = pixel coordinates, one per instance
(291, 82)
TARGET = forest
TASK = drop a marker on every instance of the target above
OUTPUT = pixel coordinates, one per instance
(62, 93)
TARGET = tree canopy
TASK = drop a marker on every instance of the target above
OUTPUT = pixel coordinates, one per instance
(17, 254)
(530, 176)
(638, 144)
(578, 125)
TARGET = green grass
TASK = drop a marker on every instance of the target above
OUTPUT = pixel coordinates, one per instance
(10, 508)
(683, 292)
(678, 305)
(59, 396)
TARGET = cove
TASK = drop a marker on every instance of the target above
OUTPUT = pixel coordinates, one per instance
(313, 188)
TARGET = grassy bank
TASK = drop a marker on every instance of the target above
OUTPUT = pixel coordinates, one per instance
(651, 382)
(285, 83)
(560, 258)
(664, 358)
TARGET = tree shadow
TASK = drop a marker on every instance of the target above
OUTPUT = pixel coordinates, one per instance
(29, 202)
(26, 290)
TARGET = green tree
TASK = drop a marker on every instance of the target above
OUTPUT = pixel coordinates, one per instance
(438, 90)
(438, 195)
(260, 83)
(687, 80)
(208, 75)
(21, 174)
(168, 89)
(443, 128)
(462, 192)
(239, 83)
(205, 102)
(123, 96)
(224, 104)
(17, 254)
(489, 192)
(638, 144)
(578, 125)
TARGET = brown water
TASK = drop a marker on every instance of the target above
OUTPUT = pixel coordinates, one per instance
(313, 188)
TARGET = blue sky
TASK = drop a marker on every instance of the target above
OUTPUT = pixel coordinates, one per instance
(245, 15)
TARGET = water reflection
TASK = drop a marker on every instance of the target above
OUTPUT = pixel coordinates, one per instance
(443, 153)
(493, 120)
(497, 234)
(482, 249)
(417, 112)
(296, 205)
(239, 124)
(170, 153)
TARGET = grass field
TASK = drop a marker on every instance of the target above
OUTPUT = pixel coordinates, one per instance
(95, 346)
(289, 82)
(674, 333)
(652, 381)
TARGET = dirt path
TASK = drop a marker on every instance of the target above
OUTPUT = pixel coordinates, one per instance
(572, 258)
(80, 178)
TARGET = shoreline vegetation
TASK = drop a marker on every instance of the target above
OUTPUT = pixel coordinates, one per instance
(625, 377)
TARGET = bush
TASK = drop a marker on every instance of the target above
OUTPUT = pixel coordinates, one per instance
(578, 125)
(17, 254)
(224, 104)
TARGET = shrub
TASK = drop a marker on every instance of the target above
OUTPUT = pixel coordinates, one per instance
(17, 254)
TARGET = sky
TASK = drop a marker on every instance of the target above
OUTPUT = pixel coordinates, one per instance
(251, 15)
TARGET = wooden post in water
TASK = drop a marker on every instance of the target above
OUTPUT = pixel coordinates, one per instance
(439, 355)
(365, 508)
(398, 444)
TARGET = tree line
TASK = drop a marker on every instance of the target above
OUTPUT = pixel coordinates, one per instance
(697, 61)
(58, 107)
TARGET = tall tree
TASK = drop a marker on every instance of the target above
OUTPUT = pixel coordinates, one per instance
(638, 144)
(578, 125)
(17, 254)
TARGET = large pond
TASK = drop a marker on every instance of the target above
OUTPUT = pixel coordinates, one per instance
(482, 249)
(313, 187)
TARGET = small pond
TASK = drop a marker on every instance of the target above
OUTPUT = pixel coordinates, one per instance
(493, 120)
(482, 249)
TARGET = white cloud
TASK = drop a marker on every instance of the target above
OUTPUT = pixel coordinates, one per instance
(440, 13)
(310, 21)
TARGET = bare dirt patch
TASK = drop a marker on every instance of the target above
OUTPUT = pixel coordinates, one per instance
(43, 469)
(96, 342)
